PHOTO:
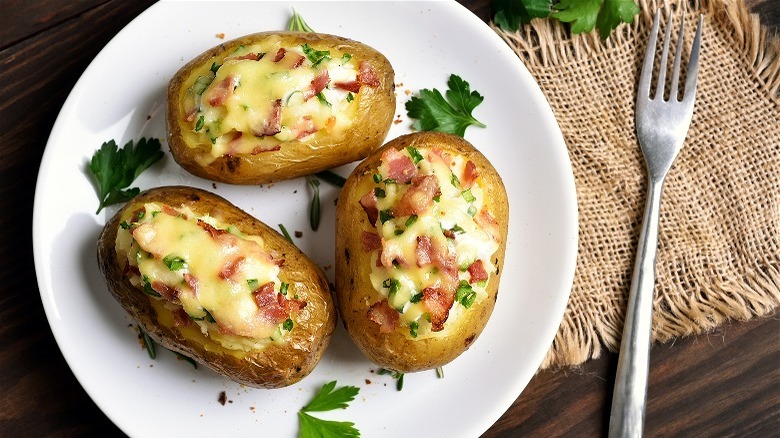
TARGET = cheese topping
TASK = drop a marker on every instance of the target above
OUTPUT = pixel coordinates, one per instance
(207, 273)
(266, 94)
(430, 249)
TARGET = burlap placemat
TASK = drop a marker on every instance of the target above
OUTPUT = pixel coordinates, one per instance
(719, 248)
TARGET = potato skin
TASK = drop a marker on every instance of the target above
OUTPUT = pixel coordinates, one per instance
(275, 366)
(355, 293)
(324, 151)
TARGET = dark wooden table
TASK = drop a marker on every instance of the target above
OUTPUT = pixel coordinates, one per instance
(725, 383)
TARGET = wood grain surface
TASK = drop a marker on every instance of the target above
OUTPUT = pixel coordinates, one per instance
(726, 383)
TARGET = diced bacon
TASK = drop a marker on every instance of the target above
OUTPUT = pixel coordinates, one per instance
(423, 251)
(214, 232)
(400, 166)
(469, 176)
(169, 293)
(449, 234)
(351, 86)
(304, 127)
(130, 269)
(192, 282)
(219, 94)
(392, 255)
(436, 154)
(275, 307)
(418, 198)
(231, 267)
(251, 56)
(272, 125)
(298, 61)
(137, 215)
(170, 211)
(366, 75)
(384, 315)
(280, 54)
(318, 84)
(181, 318)
(233, 145)
(488, 223)
(189, 116)
(477, 272)
(369, 204)
(371, 241)
(269, 148)
(438, 302)
(266, 299)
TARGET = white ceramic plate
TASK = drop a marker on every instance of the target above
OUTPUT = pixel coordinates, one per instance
(122, 95)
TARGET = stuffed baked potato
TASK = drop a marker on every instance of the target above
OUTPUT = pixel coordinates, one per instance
(209, 281)
(278, 105)
(421, 231)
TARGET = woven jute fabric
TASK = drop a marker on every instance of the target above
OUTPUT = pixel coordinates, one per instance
(719, 245)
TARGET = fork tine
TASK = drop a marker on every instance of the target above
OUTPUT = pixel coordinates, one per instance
(659, 89)
(647, 66)
(673, 90)
(693, 65)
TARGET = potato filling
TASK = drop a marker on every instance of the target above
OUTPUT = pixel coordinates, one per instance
(432, 240)
(208, 274)
(263, 95)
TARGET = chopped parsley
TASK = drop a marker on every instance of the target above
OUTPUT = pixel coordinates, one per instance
(314, 55)
(465, 294)
(174, 263)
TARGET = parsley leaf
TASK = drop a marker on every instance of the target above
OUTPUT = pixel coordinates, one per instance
(114, 168)
(327, 399)
(449, 113)
(510, 13)
(582, 15)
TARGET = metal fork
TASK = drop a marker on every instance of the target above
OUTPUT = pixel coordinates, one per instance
(661, 129)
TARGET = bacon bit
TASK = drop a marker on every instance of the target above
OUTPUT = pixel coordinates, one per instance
(299, 61)
(170, 211)
(437, 154)
(273, 123)
(477, 272)
(219, 94)
(137, 215)
(280, 54)
(369, 204)
(400, 166)
(130, 269)
(317, 84)
(351, 86)
(371, 241)
(418, 198)
(366, 75)
(192, 282)
(274, 306)
(189, 116)
(169, 293)
(181, 318)
(423, 251)
(438, 302)
(384, 315)
(250, 56)
(214, 232)
(488, 223)
(304, 126)
(449, 234)
(470, 175)
(230, 269)
(331, 123)
(260, 149)
(222, 398)
(220, 35)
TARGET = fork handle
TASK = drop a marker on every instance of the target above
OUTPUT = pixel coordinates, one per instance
(630, 392)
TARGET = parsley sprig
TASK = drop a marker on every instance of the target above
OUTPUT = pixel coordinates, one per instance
(114, 168)
(582, 15)
(327, 399)
(450, 112)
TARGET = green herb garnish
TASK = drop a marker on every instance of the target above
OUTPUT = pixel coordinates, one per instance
(297, 23)
(174, 263)
(327, 399)
(465, 294)
(331, 177)
(413, 326)
(199, 124)
(314, 55)
(114, 168)
(399, 377)
(412, 219)
(583, 15)
(435, 112)
(148, 343)
(283, 288)
(385, 215)
(415, 154)
(314, 209)
(285, 233)
(253, 284)
(288, 324)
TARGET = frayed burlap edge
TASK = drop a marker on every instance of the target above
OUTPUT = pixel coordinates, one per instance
(546, 44)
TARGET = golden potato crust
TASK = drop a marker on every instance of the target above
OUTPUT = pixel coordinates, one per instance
(322, 151)
(355, 293)
(278, 364)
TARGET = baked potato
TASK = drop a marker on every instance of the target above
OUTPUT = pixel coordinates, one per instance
(207, 280)
(420, 238)
(279, 105)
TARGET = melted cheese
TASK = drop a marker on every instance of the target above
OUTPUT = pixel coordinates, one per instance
(455, 207)
(226, 269)
(258, 85)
